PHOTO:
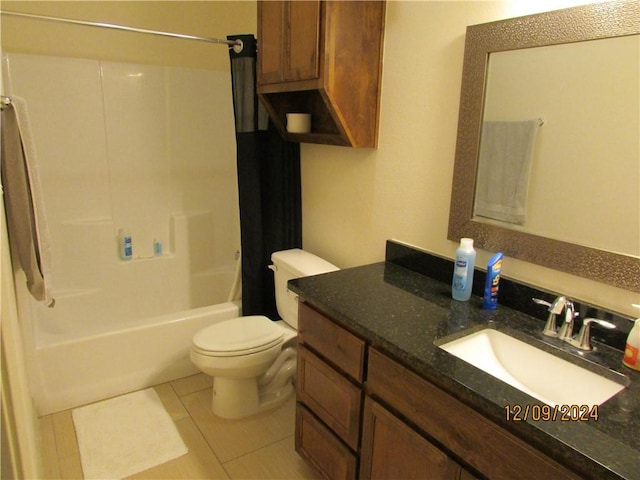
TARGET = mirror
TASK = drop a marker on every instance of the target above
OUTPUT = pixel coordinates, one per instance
(552, 242)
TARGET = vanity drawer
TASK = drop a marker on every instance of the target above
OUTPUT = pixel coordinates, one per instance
(482, 444)
(337, 345)
(321, 448)
(330, 395)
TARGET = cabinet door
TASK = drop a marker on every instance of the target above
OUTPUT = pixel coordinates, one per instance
(302, 54)
(271, 39)
(391, 449)
(288, 41)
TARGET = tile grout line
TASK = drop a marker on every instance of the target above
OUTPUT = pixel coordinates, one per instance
(251, 452)
(200, 431)
(196, 423)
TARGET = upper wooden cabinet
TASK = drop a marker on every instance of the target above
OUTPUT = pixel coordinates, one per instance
(322, 58)
(289, 41)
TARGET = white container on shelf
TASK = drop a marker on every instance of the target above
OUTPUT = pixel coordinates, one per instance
(298, 122)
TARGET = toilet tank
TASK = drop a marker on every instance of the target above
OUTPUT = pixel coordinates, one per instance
(289, 264)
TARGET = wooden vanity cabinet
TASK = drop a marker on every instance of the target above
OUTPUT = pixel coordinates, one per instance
(484, 446)
(361, 414)
(322, 58)
(329, 394)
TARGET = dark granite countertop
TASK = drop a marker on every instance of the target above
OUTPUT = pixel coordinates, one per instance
(403, 313)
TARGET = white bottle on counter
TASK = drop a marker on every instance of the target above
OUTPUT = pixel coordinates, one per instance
(463, 270)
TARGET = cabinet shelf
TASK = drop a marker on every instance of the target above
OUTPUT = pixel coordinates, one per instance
(325, 125)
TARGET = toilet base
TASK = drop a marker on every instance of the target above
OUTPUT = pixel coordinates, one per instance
(235, 398)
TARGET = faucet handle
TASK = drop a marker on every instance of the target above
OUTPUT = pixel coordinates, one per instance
(583, 340)
(554, 309)
(550, 325)
(539, 301)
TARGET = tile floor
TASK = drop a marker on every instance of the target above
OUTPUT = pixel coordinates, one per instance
(260, 447)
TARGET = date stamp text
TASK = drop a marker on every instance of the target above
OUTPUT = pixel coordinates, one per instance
(548, 413)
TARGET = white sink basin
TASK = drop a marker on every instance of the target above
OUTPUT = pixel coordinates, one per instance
(542, 375)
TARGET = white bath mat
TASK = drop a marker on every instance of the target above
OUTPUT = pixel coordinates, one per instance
(125, 435)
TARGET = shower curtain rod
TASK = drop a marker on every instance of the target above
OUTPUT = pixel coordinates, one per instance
(236, 44)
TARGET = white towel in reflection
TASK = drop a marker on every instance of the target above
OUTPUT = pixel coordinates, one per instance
(504, 167)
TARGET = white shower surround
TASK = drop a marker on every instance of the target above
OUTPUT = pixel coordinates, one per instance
(147, 148)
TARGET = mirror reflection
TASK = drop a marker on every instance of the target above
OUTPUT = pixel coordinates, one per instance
(560, 143)
(575, 206)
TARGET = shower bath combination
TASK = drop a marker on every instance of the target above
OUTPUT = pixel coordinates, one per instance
(143, 147)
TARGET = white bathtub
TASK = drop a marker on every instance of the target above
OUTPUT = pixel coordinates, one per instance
(78, 371)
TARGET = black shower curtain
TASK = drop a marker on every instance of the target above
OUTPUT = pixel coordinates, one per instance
(268, 185)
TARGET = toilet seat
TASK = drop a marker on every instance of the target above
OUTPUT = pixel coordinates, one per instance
(238, 336)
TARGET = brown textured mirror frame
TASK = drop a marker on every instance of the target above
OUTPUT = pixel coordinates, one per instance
(589, 22)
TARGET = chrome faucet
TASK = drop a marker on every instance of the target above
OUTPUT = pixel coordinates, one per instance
(583, 340)
(555, 308)
(566, 330)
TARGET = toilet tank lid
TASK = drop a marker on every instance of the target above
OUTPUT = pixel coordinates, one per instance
(301, 262)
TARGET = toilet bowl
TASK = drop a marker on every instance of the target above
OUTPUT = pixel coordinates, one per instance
(252, 359)
(237, 353)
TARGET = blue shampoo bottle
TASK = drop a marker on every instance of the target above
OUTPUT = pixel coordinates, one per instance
(463, 270)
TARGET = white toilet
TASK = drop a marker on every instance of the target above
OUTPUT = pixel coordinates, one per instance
(253, 359)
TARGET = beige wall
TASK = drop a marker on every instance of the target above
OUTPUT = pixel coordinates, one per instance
(215, 19)
(353, 200)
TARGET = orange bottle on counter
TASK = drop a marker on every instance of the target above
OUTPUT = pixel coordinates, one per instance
(631, 351)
